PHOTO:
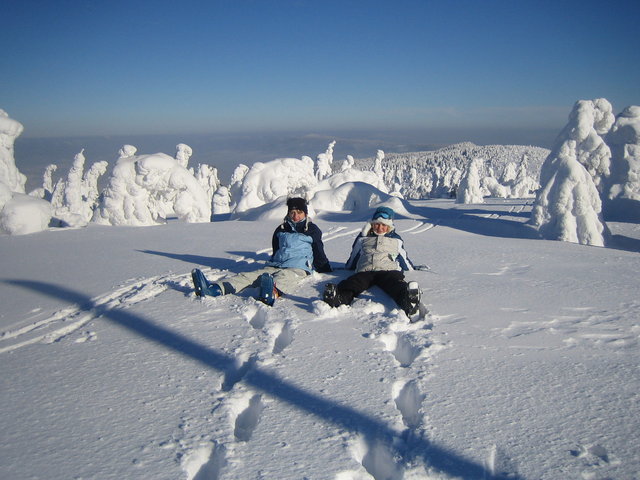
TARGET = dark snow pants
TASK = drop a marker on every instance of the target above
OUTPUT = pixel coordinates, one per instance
(390, 281)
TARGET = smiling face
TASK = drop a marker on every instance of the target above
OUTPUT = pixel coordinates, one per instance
(296, 215)
(380, 228)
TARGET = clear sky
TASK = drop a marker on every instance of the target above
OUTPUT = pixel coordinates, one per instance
(74, 67)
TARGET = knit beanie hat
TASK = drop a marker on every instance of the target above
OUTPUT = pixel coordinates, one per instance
(383, 215)
(297, 203)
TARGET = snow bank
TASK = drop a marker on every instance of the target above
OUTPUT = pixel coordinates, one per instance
(23, 214)
(351, 175)
(359, 198)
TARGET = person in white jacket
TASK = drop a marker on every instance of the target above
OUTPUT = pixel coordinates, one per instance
(379, 258)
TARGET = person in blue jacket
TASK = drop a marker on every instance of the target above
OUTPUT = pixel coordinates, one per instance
(297, 251)
(379, 258)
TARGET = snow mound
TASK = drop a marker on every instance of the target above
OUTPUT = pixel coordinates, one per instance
(23, 214)
(265, 182)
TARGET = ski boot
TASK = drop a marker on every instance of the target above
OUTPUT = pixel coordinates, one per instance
(268, 292)
(330, 295)
(202, 286)
(413, 299)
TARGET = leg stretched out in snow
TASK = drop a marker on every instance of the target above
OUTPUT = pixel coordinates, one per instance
(379, 258)
(297, 251)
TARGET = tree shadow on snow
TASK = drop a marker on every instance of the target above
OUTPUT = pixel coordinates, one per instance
(477, 221)
(375, 431)
(622, 242)
(211, 262)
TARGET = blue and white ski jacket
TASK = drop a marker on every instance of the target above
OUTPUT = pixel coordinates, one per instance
(299, 245)
(371, 252)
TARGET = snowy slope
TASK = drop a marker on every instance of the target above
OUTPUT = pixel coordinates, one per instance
(528, 367)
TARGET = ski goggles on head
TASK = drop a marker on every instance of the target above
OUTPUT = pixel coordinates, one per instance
(381, 215)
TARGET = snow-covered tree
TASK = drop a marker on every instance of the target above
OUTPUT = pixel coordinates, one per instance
(622, 198)
(10, 129)
(377, 166)
(347, 163)
(20, 214)
(47, 181)
(183, 154)
(523, 185)
(589, 122)
(492, 188)
(235, 185)
(265, 182)
(323, 163)
(509, 175)
(74, 199)
(221, 201)
(207, 176)
(469, 190)
(568, 206)
(145, 189)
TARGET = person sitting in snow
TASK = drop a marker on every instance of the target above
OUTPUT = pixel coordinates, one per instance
(297, 251)
(379, 258)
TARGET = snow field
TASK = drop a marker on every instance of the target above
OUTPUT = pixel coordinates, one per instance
(527, 367)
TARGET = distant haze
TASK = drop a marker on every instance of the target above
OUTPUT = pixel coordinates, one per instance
(225, 151)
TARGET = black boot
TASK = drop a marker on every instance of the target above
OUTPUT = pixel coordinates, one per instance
(331, 295)
(412, 299)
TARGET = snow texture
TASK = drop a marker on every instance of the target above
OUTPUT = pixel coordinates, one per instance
(525, 368)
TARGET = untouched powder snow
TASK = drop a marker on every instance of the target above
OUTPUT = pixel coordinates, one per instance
(527, 367)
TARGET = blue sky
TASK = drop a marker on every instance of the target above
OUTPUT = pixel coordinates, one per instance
(74, 67)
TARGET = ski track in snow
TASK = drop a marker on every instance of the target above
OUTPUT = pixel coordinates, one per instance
(70, 319)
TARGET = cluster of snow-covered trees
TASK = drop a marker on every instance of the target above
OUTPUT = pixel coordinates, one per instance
(596, 161)
(503, 171)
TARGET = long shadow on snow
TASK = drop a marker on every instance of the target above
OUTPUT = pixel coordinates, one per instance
(343, 416)
(466, 220)
(212, 262)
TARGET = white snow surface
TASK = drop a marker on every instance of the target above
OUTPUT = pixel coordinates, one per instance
(526, 367)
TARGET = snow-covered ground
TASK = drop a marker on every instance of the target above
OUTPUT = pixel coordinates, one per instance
(527, 368)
